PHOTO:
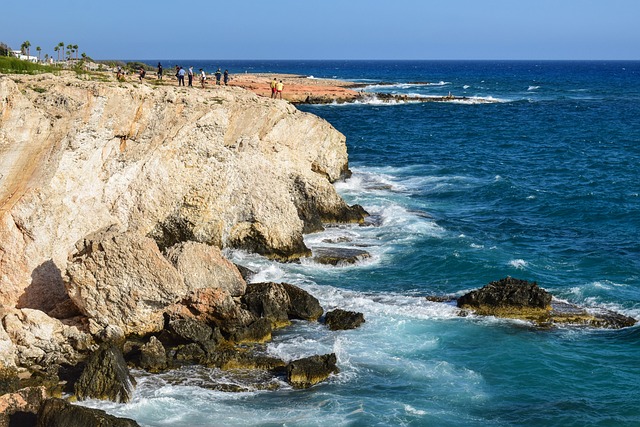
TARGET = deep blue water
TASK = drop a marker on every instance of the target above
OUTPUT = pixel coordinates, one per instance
(543, 185)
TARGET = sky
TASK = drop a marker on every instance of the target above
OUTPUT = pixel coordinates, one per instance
(329, 29)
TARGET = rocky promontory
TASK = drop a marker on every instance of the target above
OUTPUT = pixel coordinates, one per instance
(117, 200)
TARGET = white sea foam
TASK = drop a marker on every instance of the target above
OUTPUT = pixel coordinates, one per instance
(520, 264)
(533, 88)
(465, 87)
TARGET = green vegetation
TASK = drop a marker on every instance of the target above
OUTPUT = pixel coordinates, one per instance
(11, 65)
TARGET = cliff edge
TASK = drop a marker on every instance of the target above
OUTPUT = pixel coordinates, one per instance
(221, 166)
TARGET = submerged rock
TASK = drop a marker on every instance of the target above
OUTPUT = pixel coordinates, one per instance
(304, 373)
(106, 377)
(341, 319)
(339, 256)
(60, 413)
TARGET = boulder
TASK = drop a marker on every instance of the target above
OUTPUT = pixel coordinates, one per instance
(304, 373)
(203, 266)
(508, 297)
(122, 279)
(341, 319)
(339, 256)
(280, 302)
(153, 356)
(20, 407)
(519, 299)
(42, 340)
(60, 413)
(106, 377)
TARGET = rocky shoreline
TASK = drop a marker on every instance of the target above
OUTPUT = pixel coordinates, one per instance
(117, 202)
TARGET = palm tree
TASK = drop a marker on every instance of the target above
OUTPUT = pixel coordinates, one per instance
(57, 49)
(69, 51)
(39, 49)
(25, 47)
(60, 48)
(75, 47)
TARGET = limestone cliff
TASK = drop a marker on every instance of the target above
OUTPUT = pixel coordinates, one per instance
(221, 166)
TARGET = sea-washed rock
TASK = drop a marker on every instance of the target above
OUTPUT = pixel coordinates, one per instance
(153, 356)
(341, 319)
(509, 298)
(60, 413)
(519, 299)
(106, 376)
(280, 302)
(304, 373)
(339, 256)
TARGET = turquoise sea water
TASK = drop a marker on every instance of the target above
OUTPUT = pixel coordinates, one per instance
(542, 185)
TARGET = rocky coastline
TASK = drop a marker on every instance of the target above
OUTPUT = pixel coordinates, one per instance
(117, 201)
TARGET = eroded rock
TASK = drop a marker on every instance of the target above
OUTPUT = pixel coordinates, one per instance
(106, 377)
(60, 413)
(304, 373)
(339, 256)
(341, 319)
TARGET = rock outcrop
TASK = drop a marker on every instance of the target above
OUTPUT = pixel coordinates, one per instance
(304, 373)
(106, 376)
(225, 167)
(339, 319)
(520, 299)
(60, 413)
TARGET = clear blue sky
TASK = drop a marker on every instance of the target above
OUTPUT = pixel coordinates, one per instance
(329, 29)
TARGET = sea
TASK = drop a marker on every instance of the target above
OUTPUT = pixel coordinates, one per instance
(533, 174)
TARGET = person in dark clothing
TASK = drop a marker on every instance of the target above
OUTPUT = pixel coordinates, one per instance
(159, 71)
(218, 75)
(226, 77)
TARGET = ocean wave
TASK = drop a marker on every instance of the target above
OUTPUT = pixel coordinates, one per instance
(533, 88)
(520, 264)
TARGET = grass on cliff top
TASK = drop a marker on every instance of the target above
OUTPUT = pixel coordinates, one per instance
(9, 65)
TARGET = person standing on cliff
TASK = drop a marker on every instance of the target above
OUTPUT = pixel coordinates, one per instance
(203, 77)
(218, 75)
(181, 74)
(159, 71)
(190, 74)
(226, 77)
(273, 87)
(279, 88)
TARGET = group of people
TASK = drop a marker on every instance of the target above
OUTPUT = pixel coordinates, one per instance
(276, 88)
(181, 73)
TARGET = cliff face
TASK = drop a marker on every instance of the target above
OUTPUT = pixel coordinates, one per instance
(221, 166)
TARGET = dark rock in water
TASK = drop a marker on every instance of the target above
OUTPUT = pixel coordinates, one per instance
(106, 377)
(341, 319)
(269, 300)
(440, 298)
(339, 256)
(341, 239)
(188, 330)
(60, 413)
(256, 332)
(508, 298)
(304, 373)
(519, 299)
(569, 314)
(302, 305)
(153, 356)
(280, 302)
(245, 272)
